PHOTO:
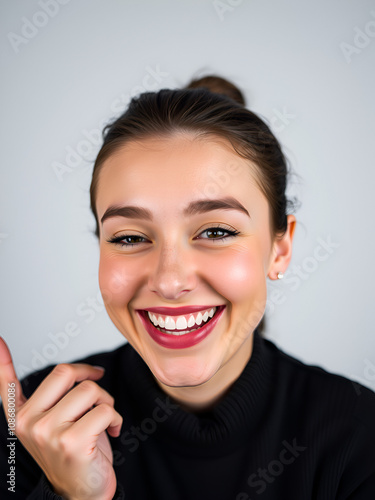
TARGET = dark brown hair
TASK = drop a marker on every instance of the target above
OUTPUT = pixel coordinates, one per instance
(209, 106)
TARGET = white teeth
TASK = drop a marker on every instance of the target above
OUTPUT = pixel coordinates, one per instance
(191, 322)
(181, 323)
(199, 318)
(169, 323)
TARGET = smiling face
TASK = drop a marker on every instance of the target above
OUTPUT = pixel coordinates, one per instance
(170, 245)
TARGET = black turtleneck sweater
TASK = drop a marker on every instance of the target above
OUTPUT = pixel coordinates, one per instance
(284, 431)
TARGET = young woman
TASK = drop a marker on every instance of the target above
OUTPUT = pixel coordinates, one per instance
(188, 193)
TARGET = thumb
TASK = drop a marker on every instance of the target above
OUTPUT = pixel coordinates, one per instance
(8, 376)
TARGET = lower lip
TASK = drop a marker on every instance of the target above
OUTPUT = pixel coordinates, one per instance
(180, 341)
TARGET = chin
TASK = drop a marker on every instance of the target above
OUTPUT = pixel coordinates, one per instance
(179, 374)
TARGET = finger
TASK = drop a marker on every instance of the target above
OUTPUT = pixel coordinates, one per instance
(59, 381)
(96, 421)
(8, 377)
(79, 400)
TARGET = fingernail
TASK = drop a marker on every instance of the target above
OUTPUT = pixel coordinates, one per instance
(99, 367)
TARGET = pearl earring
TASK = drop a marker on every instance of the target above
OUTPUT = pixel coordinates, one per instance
(280, 276)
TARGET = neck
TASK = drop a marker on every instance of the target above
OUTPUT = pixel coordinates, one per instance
(205, 396)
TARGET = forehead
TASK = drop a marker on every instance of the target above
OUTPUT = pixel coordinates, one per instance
(171, 171)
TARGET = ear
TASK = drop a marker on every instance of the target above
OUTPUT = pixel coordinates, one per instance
(282, 250)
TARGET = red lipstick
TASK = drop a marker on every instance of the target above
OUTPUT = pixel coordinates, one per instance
(180, 341)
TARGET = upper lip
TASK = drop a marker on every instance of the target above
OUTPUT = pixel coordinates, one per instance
(176, 311)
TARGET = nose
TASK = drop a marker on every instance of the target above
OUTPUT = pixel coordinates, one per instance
(173, 273)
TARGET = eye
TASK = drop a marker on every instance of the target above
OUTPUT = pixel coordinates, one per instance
(127, 240)
(217, 233)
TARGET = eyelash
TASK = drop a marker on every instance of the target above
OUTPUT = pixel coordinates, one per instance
(119, 240)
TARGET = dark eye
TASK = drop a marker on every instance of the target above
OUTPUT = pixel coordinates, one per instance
(217, 233)
(127, 240)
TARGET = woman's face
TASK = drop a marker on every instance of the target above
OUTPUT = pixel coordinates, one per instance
(184, 226)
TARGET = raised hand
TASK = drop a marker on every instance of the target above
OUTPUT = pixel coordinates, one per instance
(64, 427)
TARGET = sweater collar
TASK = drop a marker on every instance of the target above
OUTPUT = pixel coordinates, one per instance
(236, 415)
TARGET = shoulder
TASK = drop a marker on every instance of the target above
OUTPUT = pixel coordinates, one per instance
(322, 392)
(333, 416)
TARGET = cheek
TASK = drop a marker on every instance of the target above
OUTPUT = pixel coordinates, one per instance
(117, 280)
(238, 276)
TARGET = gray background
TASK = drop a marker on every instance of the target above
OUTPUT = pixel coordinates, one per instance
(70, 66)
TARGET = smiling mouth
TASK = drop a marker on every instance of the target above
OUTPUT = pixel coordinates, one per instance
(181, 324)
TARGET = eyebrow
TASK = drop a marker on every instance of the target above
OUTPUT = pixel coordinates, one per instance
(194, 207)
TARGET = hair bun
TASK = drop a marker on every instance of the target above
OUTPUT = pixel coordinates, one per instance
(218, 85)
